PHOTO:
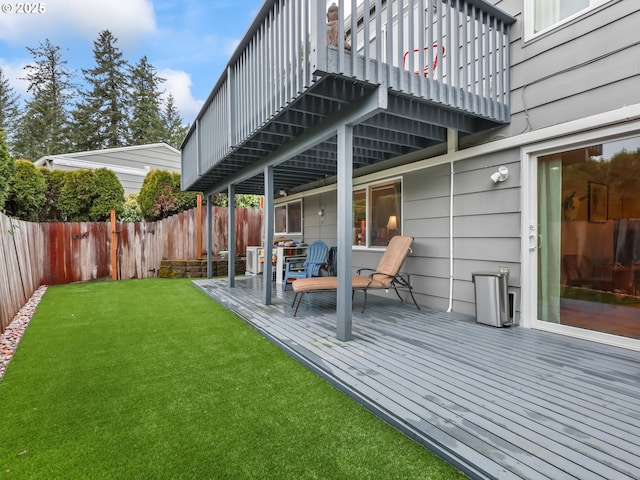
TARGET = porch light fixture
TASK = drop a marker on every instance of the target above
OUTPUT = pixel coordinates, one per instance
(501, 175)
(283, 193)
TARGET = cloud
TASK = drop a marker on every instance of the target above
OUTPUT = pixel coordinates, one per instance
(14, 72)
(128, 20)
(179, 84)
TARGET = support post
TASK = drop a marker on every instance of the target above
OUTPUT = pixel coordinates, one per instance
(344, 311)
(267, 270)
(209, 235)
(231, 236)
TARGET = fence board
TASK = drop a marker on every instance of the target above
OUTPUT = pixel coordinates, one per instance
(21, 248)
(33, 254)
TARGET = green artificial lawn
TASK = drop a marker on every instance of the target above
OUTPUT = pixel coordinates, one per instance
(151, 379)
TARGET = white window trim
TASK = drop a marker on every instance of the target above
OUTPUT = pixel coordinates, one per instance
(367, 188)
(529, 16)
(286, 222)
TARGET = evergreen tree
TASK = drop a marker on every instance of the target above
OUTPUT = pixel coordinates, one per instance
(43, 129)
(146, 124)
(9, 107)
(7, 167)
(100, 118)
(174, 129)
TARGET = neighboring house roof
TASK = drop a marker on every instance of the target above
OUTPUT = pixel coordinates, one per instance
(130, 164)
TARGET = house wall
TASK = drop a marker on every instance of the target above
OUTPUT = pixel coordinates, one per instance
(582, 68)
(486, 227)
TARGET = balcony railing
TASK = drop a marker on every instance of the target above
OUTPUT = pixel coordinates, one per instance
(453, 53)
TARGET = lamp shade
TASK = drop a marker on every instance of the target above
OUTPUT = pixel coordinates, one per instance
(392, 224)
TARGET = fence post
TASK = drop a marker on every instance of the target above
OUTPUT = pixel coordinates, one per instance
(114, 266)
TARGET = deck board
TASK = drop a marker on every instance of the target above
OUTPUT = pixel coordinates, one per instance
(496, 403)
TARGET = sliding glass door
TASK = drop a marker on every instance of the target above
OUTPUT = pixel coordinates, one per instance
(588, 243)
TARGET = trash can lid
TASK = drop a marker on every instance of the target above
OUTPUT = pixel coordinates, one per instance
(488, 274)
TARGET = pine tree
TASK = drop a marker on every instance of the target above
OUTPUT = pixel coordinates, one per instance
(146, 123)
(174, 129)
(7, 167)
(43, 130)
(9, 108)
(100, 118)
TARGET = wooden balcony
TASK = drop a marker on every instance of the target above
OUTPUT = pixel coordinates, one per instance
(507, 403)
(440, 64)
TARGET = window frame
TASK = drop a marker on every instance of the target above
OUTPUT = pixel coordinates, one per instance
(367, 188)
(286, 206)
(529, 13)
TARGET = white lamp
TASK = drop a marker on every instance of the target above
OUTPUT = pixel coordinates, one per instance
(392, 224)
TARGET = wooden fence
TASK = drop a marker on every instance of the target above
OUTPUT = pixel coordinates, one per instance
(33, 254)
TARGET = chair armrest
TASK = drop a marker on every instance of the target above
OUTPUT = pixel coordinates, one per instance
(360, 270)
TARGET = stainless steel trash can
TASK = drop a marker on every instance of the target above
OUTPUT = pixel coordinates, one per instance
(492, 298)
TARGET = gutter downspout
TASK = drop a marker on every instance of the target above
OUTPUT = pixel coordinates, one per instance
(452, 147)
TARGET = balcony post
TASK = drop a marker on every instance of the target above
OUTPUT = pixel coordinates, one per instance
(318, 34)
(231, 107)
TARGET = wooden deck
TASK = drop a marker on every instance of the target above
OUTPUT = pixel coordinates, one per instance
(507, 403)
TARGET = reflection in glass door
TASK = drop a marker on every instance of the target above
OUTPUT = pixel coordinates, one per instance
(589, 247)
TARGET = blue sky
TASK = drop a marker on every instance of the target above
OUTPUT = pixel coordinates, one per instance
(188, 41)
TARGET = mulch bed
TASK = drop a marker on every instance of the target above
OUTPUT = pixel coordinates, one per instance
(11, 337)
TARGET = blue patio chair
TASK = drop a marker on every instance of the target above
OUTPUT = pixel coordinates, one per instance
(316, 257)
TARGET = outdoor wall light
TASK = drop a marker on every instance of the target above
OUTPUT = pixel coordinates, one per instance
(283, 193)
(501, 175)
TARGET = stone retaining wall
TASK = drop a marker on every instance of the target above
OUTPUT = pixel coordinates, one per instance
(198, 268)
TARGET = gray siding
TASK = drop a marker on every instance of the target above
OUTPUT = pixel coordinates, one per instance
(486, 227)
(585, 67)
(149, 157)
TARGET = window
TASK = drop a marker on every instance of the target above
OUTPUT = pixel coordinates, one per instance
(377, 214)
(288, 218)
(545, 14)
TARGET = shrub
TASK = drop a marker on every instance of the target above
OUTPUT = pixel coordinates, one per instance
(131, 210)
(25, 192)
(76, 196)
(54, 181)
(108, 195)
(161, 197)
(7, 166)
